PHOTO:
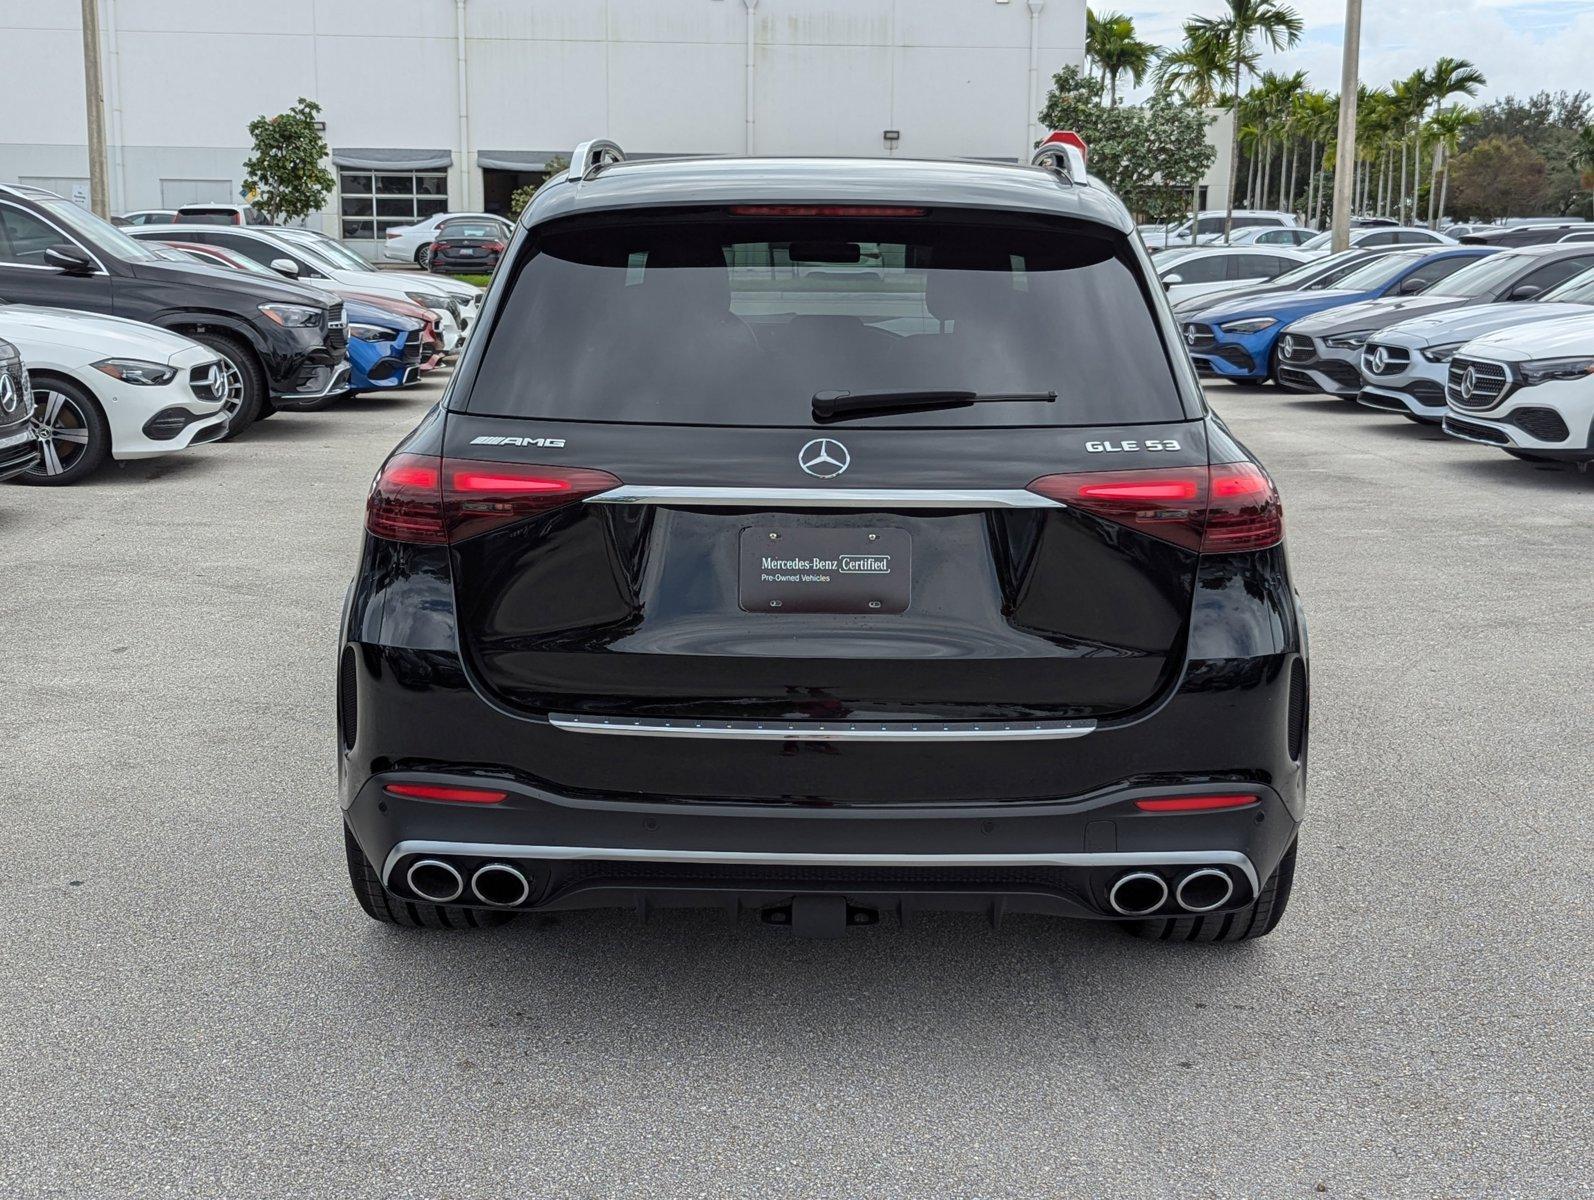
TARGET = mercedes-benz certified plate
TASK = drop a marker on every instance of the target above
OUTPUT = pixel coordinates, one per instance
(807, 570)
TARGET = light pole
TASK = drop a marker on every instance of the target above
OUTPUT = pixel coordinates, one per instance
(1345, 153)
(94, 97)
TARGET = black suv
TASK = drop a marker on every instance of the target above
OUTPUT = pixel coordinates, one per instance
(284, 345)
(19, 447)
(823, 539)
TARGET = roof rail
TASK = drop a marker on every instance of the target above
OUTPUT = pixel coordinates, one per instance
(589, 156)
(1062, 151)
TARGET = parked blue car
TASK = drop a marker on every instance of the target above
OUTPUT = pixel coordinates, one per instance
(1236, 338)
(384, 348)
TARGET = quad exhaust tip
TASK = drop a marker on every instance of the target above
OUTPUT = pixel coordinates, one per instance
(1138, 894)
(500, 885)
(434, 880)
(1202, 891)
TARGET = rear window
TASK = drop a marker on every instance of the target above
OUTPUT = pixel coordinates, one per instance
(740, 319)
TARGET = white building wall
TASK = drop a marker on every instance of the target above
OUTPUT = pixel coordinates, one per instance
(185, 77)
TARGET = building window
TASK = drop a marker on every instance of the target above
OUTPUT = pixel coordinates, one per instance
(371, 203)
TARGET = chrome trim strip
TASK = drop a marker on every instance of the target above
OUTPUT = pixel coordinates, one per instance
(1171, 858)
(826, 731)
(16, 439)
(763, 497)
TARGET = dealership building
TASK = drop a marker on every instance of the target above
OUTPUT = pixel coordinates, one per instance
(450, 105)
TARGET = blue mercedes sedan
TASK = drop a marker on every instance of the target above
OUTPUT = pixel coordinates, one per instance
(1238, 338)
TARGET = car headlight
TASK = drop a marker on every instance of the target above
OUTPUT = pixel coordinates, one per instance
(1249, 325)
(1442, 354)
(1354, 340)
(369, 333)
(292, 316)
(1545, 370)
(428, 300)
(132, 370)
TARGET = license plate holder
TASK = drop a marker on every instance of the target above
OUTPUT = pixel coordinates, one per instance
(813, 569)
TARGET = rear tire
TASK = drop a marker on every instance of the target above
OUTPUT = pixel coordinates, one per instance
(423, 258)
(382, 905)
(1257, 919)
(246, 382)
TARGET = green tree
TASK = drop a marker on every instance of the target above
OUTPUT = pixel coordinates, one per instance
(1499, 177)
(1446, 129)
(285, 173)
(1197, 72)
(557, 165)
(1110, 43)
(1149, 154)
(1550, 122)
(1241, 30)
(1447, 78)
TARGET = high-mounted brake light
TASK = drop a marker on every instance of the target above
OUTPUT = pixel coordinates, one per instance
(1215, 510)
(454, 795)
(434, 501)
(1194, 803)
(825, 210)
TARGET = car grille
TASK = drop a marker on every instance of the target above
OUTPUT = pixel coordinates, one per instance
(21, 402)
(1426, 391)
(1297, 347)
(1235, 356)
(199, 383)
(1198, 337)
(412, 347)
(337, 328)
(1341, 372)
(1482, 433)
(1385, 360)
(1545, 424)
(1474, 383)
(1293, 378)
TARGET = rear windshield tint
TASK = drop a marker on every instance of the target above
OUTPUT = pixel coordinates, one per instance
(740, 320)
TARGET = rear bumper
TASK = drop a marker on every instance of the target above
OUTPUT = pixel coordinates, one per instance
(1061, 859)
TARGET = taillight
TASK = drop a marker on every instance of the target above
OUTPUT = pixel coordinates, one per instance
(433, 501)
(496, 247)
(1194, 803)
(1214, 510)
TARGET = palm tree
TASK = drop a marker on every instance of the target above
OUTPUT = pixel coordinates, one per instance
(1101, 31)
(1411, 100)
(1110, 43)
(1246, 24)
(1448, 77)
(1196, 71)
(1447, 127)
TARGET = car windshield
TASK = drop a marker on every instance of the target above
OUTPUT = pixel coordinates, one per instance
(1483, 278)
(1311, 272)
(1577, 290)
(98, 233)
(597, 314)
(330, 253)
(1378, 272)
(1321, 242)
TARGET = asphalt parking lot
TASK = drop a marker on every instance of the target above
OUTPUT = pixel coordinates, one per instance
(194, 1006)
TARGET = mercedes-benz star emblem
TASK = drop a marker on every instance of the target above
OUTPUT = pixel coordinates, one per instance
(217, 380)
(1380, 358)
(8, 393)
(824, 458)
(1469, 383)
(1189, 335)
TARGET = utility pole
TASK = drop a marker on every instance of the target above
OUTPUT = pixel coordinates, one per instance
(94, 94)
(1345, 153)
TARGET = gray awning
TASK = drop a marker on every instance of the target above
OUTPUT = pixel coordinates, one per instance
(526, 161)
(393, 160)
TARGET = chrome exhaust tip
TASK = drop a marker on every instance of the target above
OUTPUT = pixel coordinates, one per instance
(434, 880)
(1137, 894)
(1202, 891)
(500, 885)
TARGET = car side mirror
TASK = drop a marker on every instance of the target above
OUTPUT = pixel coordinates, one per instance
(285, 266)
(1411, 287)
(1526, 292)
(1170, 280)
(74, 260)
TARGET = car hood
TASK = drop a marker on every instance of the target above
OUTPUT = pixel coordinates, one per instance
(1282, 306)
(1464, 324)
(419, 281)
(102, 337)
(363, 313)
(1374, 314)
(246, 287)
(1570, 337)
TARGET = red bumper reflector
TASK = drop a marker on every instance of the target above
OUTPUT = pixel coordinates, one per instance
(433, 791)
(1194, 803)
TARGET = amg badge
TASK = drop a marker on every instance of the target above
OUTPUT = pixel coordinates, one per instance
(547, 443)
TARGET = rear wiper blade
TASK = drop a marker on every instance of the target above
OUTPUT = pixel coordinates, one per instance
(838, 406)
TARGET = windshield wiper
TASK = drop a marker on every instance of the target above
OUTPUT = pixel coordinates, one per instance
(838, 406)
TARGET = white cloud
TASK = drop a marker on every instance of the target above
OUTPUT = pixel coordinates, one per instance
(1522, 46)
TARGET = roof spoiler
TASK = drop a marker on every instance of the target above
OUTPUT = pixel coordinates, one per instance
(1062, 151)
(590, 156)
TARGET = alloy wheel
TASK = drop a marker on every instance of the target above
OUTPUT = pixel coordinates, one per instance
(62, 430)
(232, 388)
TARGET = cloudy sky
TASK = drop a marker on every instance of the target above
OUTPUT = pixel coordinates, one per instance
(1523, 46)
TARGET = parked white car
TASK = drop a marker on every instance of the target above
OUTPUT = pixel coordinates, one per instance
(1263, 235)
(413, 243)
(310, 257)
(1373, 236)
(1528, 390)
(105, 387)
(1211, 222)
(1203, 270)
